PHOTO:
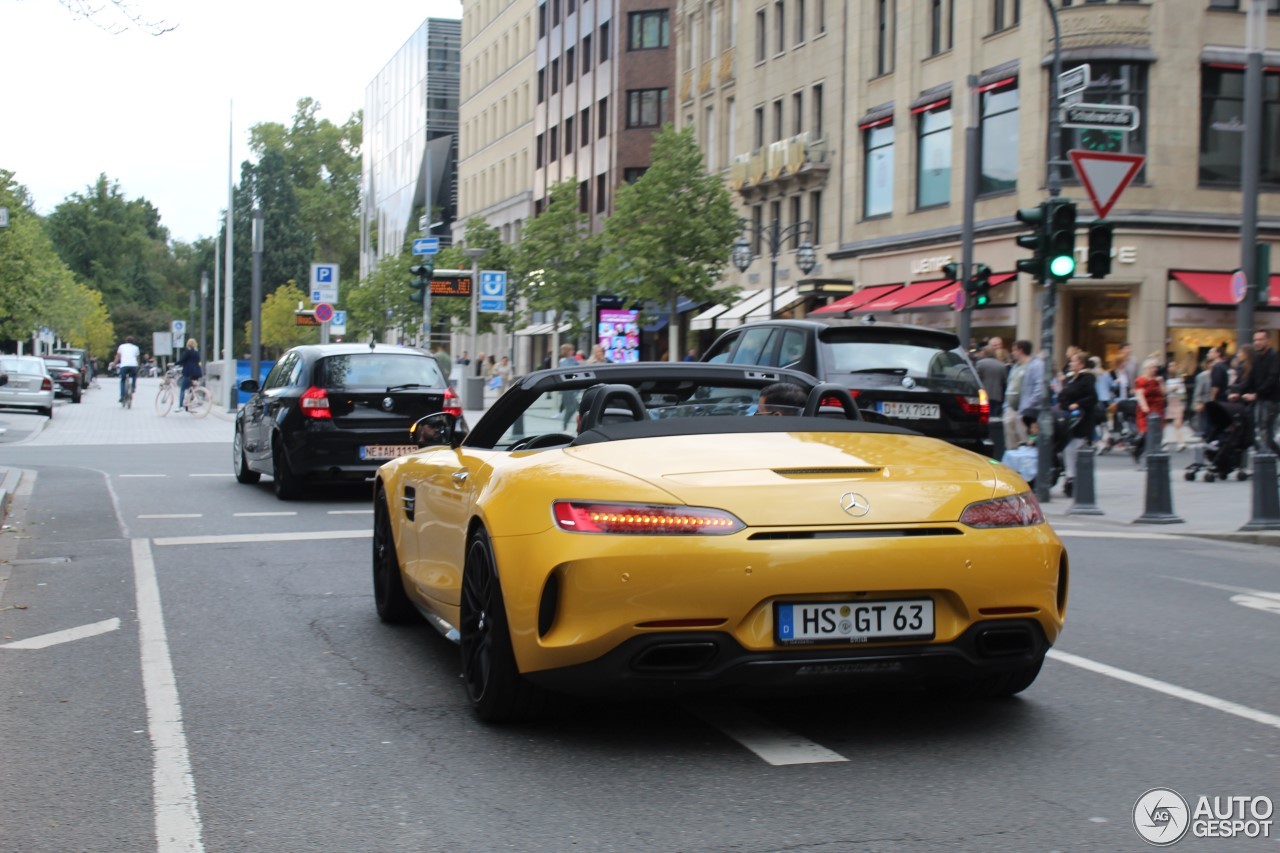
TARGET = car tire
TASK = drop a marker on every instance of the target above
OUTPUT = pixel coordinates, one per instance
(287, 485)
(497, 691)
(392, 602)
(48, 413)
(239, 463)
(75, 395)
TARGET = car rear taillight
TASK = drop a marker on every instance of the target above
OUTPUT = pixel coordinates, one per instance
(835, 401)
(978, 405)
(1021, 510)
(451, 405)
(643, 519)
(315, 403)
(46, 384)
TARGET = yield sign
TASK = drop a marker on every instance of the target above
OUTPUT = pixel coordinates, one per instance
(1105, 175)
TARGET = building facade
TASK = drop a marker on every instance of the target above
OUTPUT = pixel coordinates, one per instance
(852, 117)
(410, 146)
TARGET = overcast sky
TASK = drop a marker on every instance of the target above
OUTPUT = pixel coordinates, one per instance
(152, 112)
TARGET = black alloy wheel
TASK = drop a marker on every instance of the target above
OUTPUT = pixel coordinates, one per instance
(239, 463)
(494, 685)
(394, 606)
(287, 485)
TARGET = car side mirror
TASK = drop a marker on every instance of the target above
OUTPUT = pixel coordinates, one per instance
(437, 430)
(249, 386)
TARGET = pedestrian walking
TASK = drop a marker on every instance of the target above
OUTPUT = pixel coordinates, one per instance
(1148, 391)
(1015, 431)
(994, 375)
(1078, 400)
(1033, 394)
(1175, 387)
(1261, 388)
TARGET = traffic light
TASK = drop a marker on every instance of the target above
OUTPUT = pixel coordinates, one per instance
(1062, 239)
(951, 271)
(1035, 241)
(420, 280)
(978, 287)
(1098, 263)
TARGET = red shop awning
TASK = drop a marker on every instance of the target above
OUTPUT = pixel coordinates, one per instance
(904, 296)
(853, 300)
(946, 297)
(1215, 287)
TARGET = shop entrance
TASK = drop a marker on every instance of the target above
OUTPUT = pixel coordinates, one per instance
(1099, 322)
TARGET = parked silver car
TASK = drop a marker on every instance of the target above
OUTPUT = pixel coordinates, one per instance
(30, 386)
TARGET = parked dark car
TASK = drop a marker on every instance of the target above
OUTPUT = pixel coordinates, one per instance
(912, 376)
(79, 358)
(335, 412)
(66, 377)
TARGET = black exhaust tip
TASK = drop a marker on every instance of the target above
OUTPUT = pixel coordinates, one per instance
(999, 642)
(675, 657)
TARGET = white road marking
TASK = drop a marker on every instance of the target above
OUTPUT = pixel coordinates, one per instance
(140, 476)
(174, 515)
(1169, 689)
(177, 813)
(350, 512)
(227, 474)
(1270, 602)
(1114, 534)
(261, 514)
(775, 745)
(233, 538)
(44, 641)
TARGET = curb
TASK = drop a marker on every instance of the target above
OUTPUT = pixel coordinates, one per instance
(1244, 537)
(9, 478)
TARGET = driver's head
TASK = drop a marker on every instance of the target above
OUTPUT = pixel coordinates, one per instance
(781, 398)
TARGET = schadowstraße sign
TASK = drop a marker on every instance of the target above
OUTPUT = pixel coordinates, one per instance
(1101, 116)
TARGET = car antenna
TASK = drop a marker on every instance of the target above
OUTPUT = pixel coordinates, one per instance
(870, 319)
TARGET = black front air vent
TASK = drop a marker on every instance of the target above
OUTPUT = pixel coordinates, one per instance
(885, 533)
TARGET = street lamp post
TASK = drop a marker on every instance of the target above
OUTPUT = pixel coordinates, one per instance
(255, 305)
(475, 253)
(775, 236)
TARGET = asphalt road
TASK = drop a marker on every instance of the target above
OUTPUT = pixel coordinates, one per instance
(248, 699)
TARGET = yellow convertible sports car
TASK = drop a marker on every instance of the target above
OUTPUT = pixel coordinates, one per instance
(615, 529)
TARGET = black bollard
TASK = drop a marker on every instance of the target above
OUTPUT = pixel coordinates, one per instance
(1159, 508)
(1085, 500)
(1266, 494)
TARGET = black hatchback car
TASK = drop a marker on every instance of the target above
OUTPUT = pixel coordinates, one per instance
(335, 412)
(912, 376)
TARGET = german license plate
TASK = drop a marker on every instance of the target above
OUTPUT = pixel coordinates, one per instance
(853, 622)
(910, 411)
(385, 451)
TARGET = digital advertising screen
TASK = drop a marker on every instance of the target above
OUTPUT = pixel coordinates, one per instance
(618, 331)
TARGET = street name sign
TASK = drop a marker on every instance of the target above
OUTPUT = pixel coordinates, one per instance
(426, 246)
(1074, 80)
(324, 283)
(1104, 175)
(1101, 116)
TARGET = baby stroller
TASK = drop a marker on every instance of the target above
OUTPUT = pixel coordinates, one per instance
(1230, 435)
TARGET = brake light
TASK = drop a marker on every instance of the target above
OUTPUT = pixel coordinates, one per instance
(643, 519)
(1022, 510)
(978, 405)
(315, 403)
(451, 404)
(835, 401)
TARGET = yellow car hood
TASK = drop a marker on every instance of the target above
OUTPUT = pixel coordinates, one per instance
(803, 478)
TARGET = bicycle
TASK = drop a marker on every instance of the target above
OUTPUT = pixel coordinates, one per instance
(128, 379)
(198, 402)
(167, 394)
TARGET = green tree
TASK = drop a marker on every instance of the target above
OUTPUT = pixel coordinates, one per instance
(280, 329)
(29, 266)
(671, 232)
(455, 314)
(380, 303)
(557, 258)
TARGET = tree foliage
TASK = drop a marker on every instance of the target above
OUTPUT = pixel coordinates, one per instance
(280, 329)
(671, 231)
(380, 303)
(556, 261)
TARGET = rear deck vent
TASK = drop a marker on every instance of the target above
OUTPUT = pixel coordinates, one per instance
(825, 472)
(884, 533)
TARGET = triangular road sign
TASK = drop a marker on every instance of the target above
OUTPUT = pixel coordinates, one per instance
(1105, 175)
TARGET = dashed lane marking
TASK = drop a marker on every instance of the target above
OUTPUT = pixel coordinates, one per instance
(227, 474)
(775, 745)
(174, 515)
(1114, 534)
(261, 514)
(350, 512)
(140, 476)
(235, 538)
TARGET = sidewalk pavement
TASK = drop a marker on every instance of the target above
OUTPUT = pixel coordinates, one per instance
(1216, 510)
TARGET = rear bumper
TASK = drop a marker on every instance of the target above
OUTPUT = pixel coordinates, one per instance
(334, 455)
(695, 662)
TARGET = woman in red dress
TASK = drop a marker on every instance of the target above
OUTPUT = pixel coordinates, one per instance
(1149, 391)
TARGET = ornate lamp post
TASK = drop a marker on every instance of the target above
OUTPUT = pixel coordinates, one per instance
(775, 236)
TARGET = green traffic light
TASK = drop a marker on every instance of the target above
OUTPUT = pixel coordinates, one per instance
(1062, 266)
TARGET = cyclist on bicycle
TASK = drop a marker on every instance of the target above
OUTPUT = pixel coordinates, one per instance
(127, 357)
(189, 361)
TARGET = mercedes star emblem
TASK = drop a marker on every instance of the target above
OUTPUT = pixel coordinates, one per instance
(855, 504)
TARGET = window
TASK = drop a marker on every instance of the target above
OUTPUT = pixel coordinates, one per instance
(762, 36)
(777, 120)
(646, 107)
(799, 21)
(542, 85)
(569, 6)
(933, 172)
(1221, 123)
(601, 190)
(570, 65)
(604, 41)
(586, 53)
(757, 219)
(553, 144)
(542, 21)
(797, 113)
(796, 216)
(758, 129)
(584, 197)
(935, 27)
(884, 37)
(555, 76)
(878, 168)
(998, 141)
(780, 21)
(584, 125)
(815, 102)
(1005, 14)
(648, 30)
(602, 117)
(820, 16)
(539, 145)
(569, 138)
(815, 217)
(555, 12)
(1115, 83)
(633, 173)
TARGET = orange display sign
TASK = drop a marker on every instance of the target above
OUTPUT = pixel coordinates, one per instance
(452, 286)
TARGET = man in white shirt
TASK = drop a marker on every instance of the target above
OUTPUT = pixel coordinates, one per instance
(127, 356)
